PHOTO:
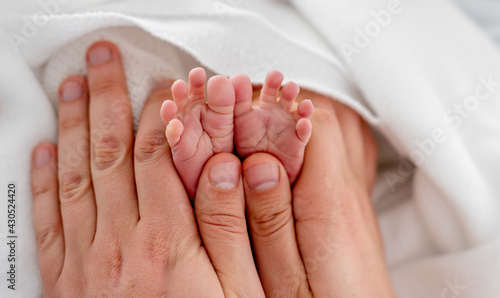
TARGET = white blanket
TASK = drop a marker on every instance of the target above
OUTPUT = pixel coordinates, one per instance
(419, 72)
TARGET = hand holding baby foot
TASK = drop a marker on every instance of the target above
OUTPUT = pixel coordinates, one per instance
(118, 221)
(197, 130)
(272, 127)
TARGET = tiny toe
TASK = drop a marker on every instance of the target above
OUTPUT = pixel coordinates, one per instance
(305, 108)
(304, 129)
(180, 94)
(197, 79)
(220, 95)
(243, 94)
(218, 122)
(288, 95)
(270, 90)
(174, 132)
(168, 111)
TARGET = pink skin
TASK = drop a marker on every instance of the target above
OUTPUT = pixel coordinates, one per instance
(272, 127)
(197, 130)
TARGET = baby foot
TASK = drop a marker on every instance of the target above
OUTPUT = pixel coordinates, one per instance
(197, 130)
(272, 127)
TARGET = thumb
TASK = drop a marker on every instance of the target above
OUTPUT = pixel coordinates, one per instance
(220, 212)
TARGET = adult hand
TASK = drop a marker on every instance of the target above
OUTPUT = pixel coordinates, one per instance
(112, 217)
(112, 231)
(325, 241)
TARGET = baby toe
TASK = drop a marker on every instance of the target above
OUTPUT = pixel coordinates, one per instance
(270, 90)
(288, 95)
(305, 109)
(180, 94)
(218, 121)
(174, 132)
(304, 129)
(168, 111)
(243, 94)
(197, 79)
(220, 95)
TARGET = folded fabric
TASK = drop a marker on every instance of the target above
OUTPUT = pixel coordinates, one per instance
(485, 13)
(420, 73)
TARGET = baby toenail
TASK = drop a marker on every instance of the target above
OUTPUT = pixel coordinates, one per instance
(71, 91)
(263, 176)
(99, 55)
(225, 175)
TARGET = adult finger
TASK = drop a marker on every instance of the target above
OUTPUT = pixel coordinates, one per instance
(162, 197)
(111, 137)
(46, 215)
(361, 153)
(269, 214)
(334, 238)
(350, 124)
(220, 212)
(76, 192)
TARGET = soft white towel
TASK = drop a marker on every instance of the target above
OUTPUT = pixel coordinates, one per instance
(423, 70)
(486, 13)
(440, 222)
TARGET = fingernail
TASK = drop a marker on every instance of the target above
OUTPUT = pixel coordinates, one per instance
(42, 156)
(225, 175)
(99, 55)
(263, 176)
(71, 91)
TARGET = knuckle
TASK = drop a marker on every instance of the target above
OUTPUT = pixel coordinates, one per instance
(160, 248)
(150, 146)
(46, 236)
(68, 121)
(108, 152)
(74, 186)
(110, 257)
(218, 224)
(155, 244)
(107, 87)
(292, 284)
(271, 222)
(334, 208)
(41, 190)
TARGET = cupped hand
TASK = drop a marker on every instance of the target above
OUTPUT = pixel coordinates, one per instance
(320, 239)
(111, 215)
